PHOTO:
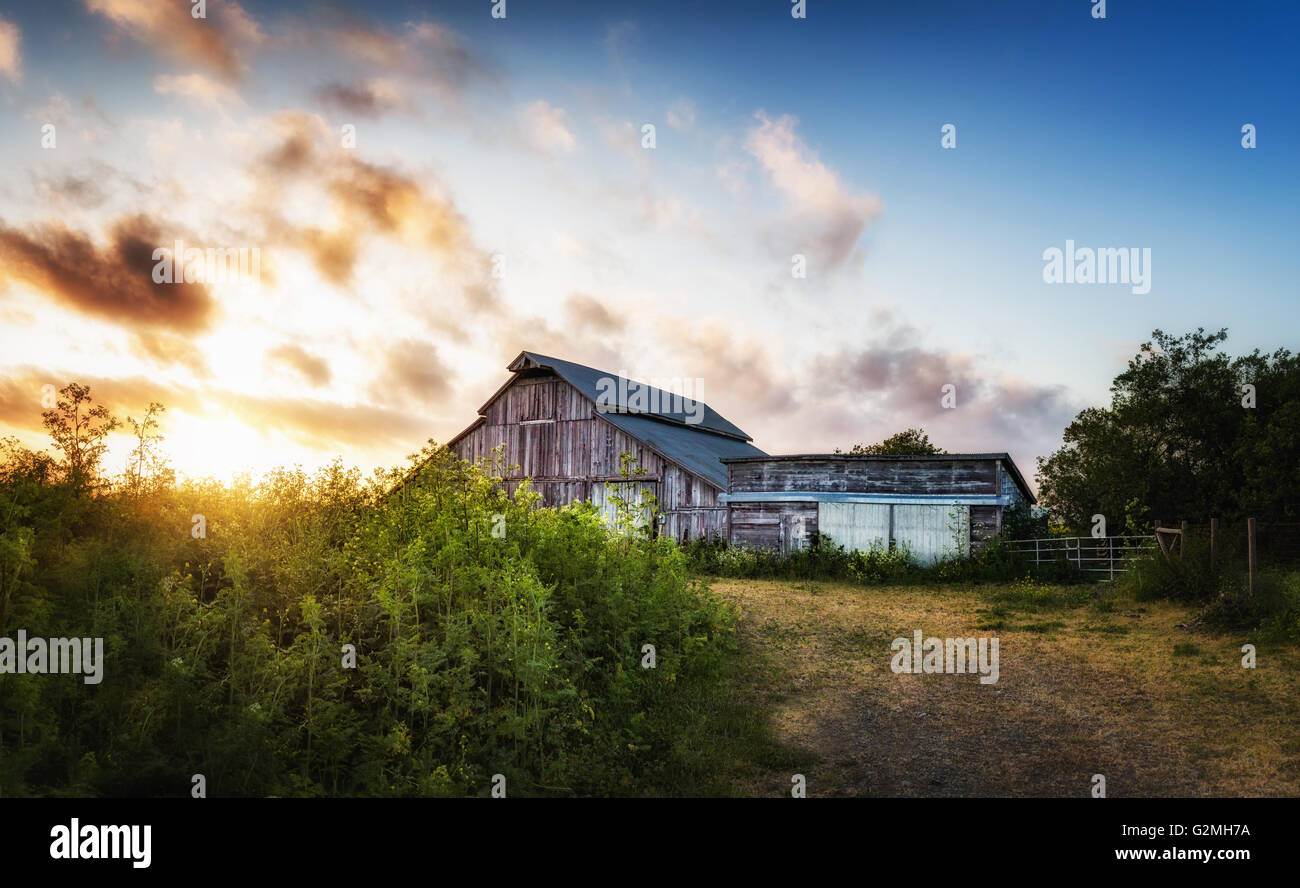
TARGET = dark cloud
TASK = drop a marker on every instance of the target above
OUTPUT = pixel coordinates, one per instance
(114, 281)
(312, 368)
(428, 53)
(413, 373)
(894, 383)
(372, 98)
(899, 377)
(79, 191)
(590, 314)
(168, 350)
(298, 146)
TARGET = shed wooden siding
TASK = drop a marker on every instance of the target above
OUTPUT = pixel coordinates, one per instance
(1010, 488)
(985, 524)
(783, 527)
(841, 490)
(877, 476)
(554, 436)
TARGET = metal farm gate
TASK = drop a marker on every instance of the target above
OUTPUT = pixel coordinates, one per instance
(1106, 556)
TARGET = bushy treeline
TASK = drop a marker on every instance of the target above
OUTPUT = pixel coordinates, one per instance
(1191, 434)
(491, 637)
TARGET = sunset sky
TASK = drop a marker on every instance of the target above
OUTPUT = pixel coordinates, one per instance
(516, 144)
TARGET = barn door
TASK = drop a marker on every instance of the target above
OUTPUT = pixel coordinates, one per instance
(855, 526)
(932, 532)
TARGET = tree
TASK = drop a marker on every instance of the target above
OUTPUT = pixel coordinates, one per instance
(79, 428)
(908, 442)
(147, 467)
(1190, 434)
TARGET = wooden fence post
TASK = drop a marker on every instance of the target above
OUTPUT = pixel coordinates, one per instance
(1214, 539)
(1182, 538)
(1250, 552)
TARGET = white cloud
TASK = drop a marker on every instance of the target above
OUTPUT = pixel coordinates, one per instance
(624, 137)
(681, 114)
(547, 129)
(732, 175)
(834, 217)
(86, 119)
(197, 86)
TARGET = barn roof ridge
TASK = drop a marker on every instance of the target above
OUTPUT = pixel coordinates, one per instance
(586, 380)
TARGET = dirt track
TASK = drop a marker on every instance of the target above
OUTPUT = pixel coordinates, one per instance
(1085, 689)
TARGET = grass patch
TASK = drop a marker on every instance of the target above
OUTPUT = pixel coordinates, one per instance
(1105, 629)
(1089, 679)
(723, 744)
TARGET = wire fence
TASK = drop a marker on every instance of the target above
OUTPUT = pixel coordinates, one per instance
(1277, 544)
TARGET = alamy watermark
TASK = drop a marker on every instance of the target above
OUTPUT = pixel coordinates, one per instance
(195, 265)
(953, 656)
(1106, 265)
(671, 396)
(53, 656)
(90, 842)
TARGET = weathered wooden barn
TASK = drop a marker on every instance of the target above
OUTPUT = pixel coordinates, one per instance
(565, 425)
(933, 504)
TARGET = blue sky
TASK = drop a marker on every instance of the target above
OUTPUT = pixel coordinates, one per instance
(775, 136)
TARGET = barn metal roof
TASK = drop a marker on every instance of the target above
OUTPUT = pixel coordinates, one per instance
(696, 451)
(588, 380)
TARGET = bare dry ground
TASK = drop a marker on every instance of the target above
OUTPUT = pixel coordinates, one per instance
(1089, 684)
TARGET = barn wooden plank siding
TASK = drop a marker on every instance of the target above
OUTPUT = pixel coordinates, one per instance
(934, 505)
(559, 434)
